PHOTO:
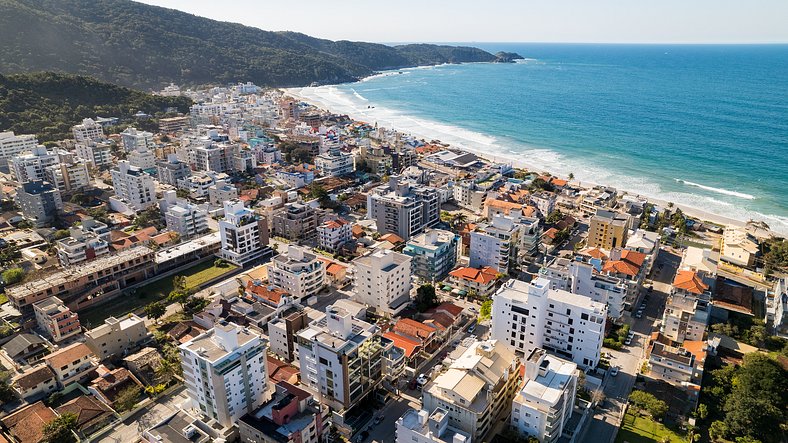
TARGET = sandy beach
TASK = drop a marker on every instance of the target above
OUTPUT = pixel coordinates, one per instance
(519, 163)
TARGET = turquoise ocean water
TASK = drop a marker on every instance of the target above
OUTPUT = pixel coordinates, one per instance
(705, 126)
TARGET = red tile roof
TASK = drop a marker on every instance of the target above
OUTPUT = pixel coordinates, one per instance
(414, 328)
(335, 224)
(594, 252)
(27, 424)
(407, 344)
(67, 355)
(271, 294)
(484, 275)
(393, 238)
(690, 282)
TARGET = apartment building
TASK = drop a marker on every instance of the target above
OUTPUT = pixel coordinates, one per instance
(295, 221)
(90, 283)
(172, 170)
(686, 315)
(530, 233)
(422, 427)
(186, 219)
(433, 254)
(383, 281)
(581, 278)
(199, 183)
(136, 140)
(244, 234)
(31, 165)
(403, 208)
(291, 416)
(11, 145)
(224, 370)
(495, 244)
(777, 307)
(88, 131)
(544, 202)
(117, 337)
(477, 389)
(56, 320)
(470, 195)
(298, 272)
(282, 333)
(527, 316)
(332, 234)
(341, 360)
(80, 246)
(545, 402)
(608, 230)
(739, 247)
(143, 158)
(172, 125)
(220, 192)
(133, 186)
(68, 176)
(38, 202)
(96, 153)
(677, 365)
(334, 163)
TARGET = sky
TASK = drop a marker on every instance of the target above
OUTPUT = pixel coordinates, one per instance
(578, 21)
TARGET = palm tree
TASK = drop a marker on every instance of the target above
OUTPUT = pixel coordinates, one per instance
(459, 219)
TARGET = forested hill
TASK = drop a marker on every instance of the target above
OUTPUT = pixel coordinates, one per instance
(145, 46)
(48, 104)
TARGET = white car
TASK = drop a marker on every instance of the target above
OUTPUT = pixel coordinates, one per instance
(614, 371)
(422, 379)
(627, 342)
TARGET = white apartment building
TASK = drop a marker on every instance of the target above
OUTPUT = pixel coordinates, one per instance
(220, 192)
(403, 208)
(422, 427)
(469, 195)
(225, 373)
(199, 183)
(98, 154)
(80, 246)
(433, 253)
(686, 316)
(334, 233)
(334, 163)
(133, 186)
(244, 234)
(545, 402)
(530, 235)
(134, 140)
(477, 389)
(579, 278)
(298, 272)
(11, 145)
(88, 131)
(383, 281)
(527, 316)
(172, 171)
(31, 165)
(544, 202)
(187, 219)
(495, 244)
(56, 320)
(142, 158)
(341, 358)
(68, 176)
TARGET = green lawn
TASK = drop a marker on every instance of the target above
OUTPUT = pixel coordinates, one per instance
(3, 298)
(154, 291)
(638, 429)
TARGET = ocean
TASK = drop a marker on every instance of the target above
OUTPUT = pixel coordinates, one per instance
(705, 126)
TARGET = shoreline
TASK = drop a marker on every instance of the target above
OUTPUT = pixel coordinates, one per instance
(690, 211)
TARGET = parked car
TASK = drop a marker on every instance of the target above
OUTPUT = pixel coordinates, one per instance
(614, 371)
(639, 314)
(628, 341)
(378, 419)
(471, 328)
(422, 380)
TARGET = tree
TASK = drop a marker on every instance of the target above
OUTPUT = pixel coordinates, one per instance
(155, 310)
(6, 392)
(598, 396)
(127, 398)
(717, 430)
(425, 297)
(554, 217)
(643, 400)
(485, 311)
(703, 411)
(571, 176)
(61, 234)
(178, 296)
(60, 429)
(179, 283)
(13, 275)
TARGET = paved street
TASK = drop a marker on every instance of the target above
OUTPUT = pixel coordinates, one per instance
(604, 425)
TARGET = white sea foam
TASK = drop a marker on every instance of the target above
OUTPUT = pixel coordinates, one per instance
(532, 157)
(717, 190)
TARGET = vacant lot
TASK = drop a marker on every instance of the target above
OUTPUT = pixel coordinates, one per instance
(638, 429)
(154, 291)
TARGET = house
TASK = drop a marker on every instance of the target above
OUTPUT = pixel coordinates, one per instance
(110, 383)
(22, 349)
(479, 281)
(117, 337)
(26, 425)
(72, 363)
(35, 382)
(91, 414)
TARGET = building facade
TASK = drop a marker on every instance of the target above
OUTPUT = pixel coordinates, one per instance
(133, 186)
(383, 281)
(244, 234)
(433, 254)
(298, 272)
(403, 208)
(56, 320)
